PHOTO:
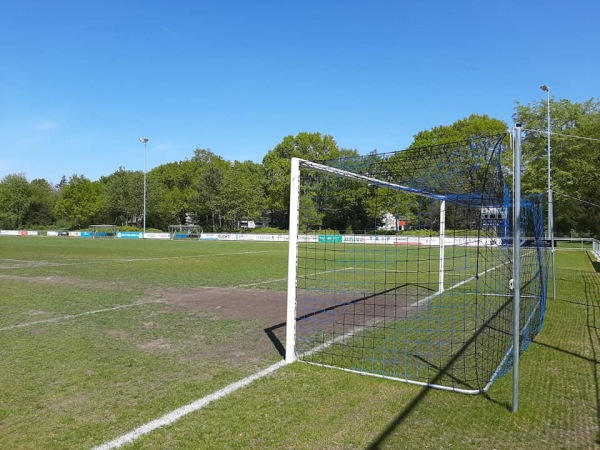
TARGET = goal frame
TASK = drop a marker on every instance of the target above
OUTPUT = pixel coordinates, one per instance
(185, 232)
(104, 231)
(294, 237)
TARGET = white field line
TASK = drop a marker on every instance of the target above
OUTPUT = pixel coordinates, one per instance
(120, 260)
(177, 414)
(174, 416)
(285, 279)
(70, 316)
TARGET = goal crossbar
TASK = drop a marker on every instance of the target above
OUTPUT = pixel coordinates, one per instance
(366, 179)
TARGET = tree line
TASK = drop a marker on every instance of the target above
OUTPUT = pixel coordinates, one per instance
(217, 194)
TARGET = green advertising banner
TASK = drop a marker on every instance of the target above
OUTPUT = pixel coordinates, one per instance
(328, 238)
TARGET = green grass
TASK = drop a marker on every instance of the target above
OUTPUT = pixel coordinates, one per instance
(308, 407)
(85, 380)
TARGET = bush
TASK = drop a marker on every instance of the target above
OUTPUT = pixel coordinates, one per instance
(264, 230)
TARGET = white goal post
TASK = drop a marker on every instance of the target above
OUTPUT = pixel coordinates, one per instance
(104, 231)
(185, 232)
(433, 305)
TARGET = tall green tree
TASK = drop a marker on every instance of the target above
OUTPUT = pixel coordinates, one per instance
(574, 160)
(207, 205)
(41, 205)
(449, 159)
(177, 184)
(82, 201)
(242, 197)
(125, 193)
(15, 200)
(210, 187)
(310, 146)
(467, 128)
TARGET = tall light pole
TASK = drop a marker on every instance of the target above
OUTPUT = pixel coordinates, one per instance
(546, 89)
(144, 141)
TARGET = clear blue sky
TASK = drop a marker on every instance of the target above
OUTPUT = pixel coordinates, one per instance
(81, 81)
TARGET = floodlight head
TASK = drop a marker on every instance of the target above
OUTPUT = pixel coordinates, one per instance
(544, 88)
(144, 140)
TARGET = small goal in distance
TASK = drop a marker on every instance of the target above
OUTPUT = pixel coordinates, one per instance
(185, 232)
(432, 305)
(104, 231)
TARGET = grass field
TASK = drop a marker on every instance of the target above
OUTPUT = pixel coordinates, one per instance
(98, 337)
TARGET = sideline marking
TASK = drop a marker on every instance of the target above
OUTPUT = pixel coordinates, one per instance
(177, 414)
(69, 316)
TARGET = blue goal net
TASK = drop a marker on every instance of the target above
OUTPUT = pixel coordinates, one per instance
(404, 265)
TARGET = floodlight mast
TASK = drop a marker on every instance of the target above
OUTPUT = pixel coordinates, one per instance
(144, 140)
(546, 89)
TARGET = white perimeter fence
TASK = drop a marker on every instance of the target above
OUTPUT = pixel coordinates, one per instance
(322, 238)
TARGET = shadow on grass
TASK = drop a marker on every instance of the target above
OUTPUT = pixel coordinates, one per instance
(275, 339)
(441, 373)
(592, 296)
(273, 331)
(591, 301)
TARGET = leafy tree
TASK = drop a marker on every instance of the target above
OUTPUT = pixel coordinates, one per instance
(82, 201)
(177, 184)
(448, 159)
(467, 128)
(15, 200)
(574, 161)
(210, 186)
(207, 203)
(207, 158)
(310, 146)
(125, 193)
(62, 183)
(241, 196)
(41, 205)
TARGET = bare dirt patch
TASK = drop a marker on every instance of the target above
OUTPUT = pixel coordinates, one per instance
(228, 303)
(266, 308)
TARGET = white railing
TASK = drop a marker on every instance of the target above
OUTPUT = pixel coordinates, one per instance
(596, 248)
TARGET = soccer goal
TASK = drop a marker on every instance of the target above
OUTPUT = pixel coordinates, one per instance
(185, 232)
(104, 231)
(428, 299)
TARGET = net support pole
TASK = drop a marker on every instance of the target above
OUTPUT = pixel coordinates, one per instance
(516, 278)
(442, 244)
(290, 329)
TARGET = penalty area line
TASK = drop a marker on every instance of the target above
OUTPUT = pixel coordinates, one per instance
(177, 414)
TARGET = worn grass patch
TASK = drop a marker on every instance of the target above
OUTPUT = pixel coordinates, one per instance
(83, 380)
(305, 407)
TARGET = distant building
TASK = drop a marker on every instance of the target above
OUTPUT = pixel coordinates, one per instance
(393, 223)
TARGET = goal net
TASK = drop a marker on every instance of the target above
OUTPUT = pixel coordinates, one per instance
(104, 231)
(403, 265)
(185, 232)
